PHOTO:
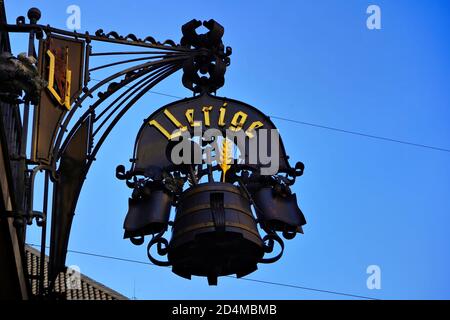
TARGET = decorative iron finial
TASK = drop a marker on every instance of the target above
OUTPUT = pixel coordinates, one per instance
(212, 58)
(34, 14)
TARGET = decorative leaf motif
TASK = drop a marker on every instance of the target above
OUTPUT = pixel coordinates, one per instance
(226, 157)
(150, 39)
(114, 35)
(133, 38)
(100, 33)
(169, 43)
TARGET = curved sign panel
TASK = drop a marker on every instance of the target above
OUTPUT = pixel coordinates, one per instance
(180, 151)
(251, 133)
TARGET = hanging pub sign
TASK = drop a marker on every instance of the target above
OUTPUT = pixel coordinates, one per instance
(222, 166)
(61, 66)
(213, 170)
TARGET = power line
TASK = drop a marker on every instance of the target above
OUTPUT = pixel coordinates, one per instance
(305, 288)
(110, 257)
(361, 134)
(245, 279)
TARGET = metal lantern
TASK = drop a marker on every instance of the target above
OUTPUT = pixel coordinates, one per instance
(146, 215)
(279, 211)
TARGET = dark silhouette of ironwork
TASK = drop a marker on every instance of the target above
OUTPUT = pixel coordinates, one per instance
(220, 235)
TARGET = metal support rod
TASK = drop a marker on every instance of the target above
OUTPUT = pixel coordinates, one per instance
(43, 236)
(23, 143)
(23, 156)
(162, 76)
(138, 86)
(114, 53)
(161, 46)
(26, 109)
(132, 60)
(34, 17)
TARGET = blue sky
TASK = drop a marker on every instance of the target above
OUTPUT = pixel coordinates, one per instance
(366, 201)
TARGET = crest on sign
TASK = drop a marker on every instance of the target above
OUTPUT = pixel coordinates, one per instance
(61, 65)
(59, 74)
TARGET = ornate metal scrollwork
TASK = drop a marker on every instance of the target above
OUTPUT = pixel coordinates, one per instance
(133, 38)
(162, 249)
(212, 58)
(269, 243)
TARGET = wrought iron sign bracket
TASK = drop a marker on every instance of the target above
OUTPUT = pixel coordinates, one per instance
(215, 230)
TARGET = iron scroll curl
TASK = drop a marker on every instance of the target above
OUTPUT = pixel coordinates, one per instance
(162, 249)
(271, 238)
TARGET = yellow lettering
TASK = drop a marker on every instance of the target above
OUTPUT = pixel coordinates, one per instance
(223, 110)
(255, 125)
(238, 121)
(206, 111)
(174, 120)
(161, 129)
(64, 101)
(190, 118)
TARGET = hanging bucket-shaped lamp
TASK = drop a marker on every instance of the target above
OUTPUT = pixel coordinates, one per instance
(214, 233)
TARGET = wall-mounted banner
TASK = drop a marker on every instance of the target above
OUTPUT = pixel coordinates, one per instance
(61, 66)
